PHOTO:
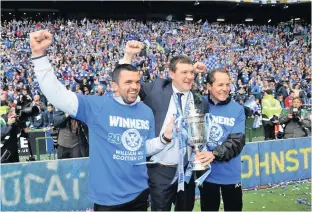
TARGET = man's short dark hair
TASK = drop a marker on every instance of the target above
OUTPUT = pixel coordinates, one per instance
(50, 105)
(211, 75)
(297, 98)
(120, 68)
(179, 59)
(269, 92)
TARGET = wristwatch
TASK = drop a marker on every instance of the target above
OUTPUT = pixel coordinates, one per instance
(216, 153)
(167, 140)
(38, 57)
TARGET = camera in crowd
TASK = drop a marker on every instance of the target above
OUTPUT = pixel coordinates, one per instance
(54, 132)
(23, 113)
(296, 113)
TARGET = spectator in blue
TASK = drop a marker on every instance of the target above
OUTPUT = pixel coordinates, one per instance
(241, 96)
(49, 115)
(283, 90)
(256, 91)
(281, 101)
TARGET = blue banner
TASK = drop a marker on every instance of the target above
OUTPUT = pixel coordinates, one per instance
(57, 185)
(272, 162)
(62, 184)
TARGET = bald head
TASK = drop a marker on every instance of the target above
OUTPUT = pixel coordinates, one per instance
(37, 98)
(100, 89)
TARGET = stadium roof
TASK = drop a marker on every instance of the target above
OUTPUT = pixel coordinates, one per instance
(234, 11)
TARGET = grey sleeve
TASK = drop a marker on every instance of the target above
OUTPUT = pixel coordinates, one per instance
(54, 90)
(153, 146)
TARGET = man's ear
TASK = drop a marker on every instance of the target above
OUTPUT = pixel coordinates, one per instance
(114, 86)
(208, 86)
(171, 74)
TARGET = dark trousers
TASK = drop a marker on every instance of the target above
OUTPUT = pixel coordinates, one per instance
(163, 194)
(269, 133)
(140, 203)
(64, 152)
(210, 197)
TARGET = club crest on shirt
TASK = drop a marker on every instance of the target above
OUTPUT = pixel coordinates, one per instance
(216, 132)
(131, 139)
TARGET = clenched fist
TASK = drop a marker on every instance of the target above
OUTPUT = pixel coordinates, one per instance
(39, 42)
(199, 67)
(133, 47)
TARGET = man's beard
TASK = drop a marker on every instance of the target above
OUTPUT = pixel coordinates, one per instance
(127, 101)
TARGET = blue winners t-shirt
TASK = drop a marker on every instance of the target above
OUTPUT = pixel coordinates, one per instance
(117, 135)
(226, 119)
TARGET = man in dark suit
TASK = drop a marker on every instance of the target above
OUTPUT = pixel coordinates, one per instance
(159, 96)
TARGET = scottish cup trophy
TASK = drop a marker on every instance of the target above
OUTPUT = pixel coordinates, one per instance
(196, 129)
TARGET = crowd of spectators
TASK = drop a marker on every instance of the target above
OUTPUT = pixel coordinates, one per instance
(84, 53)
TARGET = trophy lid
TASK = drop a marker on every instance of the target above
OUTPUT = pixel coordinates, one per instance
(192, 110)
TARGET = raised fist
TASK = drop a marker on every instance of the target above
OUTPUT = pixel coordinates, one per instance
(39, 42)
(134, 47)
(199, 67)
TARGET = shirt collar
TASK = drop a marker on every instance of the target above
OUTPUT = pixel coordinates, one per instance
(175, 90)
(220, 103)
(121, 101)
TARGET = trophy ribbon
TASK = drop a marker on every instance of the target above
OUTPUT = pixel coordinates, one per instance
(180, 135)
(189, 171)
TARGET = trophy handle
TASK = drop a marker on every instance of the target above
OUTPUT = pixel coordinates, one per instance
(208, 125)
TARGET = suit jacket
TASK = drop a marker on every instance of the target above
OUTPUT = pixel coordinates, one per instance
(157, 95)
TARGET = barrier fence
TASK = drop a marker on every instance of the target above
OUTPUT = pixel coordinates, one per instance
(40, 141)
(62, 184)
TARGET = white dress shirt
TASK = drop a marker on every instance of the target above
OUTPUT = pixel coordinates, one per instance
(171, 157)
